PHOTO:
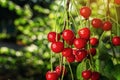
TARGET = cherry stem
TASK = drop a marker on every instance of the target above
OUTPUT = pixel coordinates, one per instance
(108, 10)
(51, 62)
(88, 3)
(64, 27)
(71, 71)
(63, 70)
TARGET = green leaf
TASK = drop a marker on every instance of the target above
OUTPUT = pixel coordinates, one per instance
(79, 70)
(116, 71)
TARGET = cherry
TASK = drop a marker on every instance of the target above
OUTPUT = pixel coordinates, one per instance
(61, 70)
(74, 51)
(95, 75)
(92, 51)
(70, 42)
(117, 2)
(84, 33)
(81, 54)
(80, 43)
(86, 74)
(116, 41)
(68, 35)
(53, 36)
(97, 23)
(85, 12)
(67, 52)
(107, 26)
(94, 41)
(57, 47)
(70, 59)
(51, 75)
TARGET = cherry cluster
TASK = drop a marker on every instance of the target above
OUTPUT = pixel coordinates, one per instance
(79, 52)
(54, 75)
(87, 74)
(76, 48)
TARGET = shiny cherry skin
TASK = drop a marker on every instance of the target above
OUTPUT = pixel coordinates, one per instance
(94, 41)
(92, 51)
(61, 70)
(86, 74)
(51, 75)
(53, 37)
(67, 52)
(68, 35)
(80, 43)
(95, 76)
(71, 58)
(70, 42)
(84, 33)
(116, 41)
(57, 47)
(107, 25)
(81, 54)
(97, 23)
(85, 12)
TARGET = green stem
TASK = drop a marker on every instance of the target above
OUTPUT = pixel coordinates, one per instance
(71, 71)
(51, 62)
(57, 15)
(63, 69)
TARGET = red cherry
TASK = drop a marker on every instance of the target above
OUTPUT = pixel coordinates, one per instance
(92, 51)
(84, 33)
(61, 70)
(107, 26)
(68, 35)
(97, 23)
(95, 76)
(85, 12)
(53, 36)
(86, 74)
(116, 41)
(117, 2)
(74, 51)
(80, 43)
(70, 59)
(94, 41)
(70, 42)
(51, 75)
(81, 54)
(67, 52)
(57, 47)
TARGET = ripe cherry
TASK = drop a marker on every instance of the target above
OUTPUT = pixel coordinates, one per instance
(95, 75)
(57, 47)
(117, 2)
(97, 23)
(92, 51)
(81, 54)
(86, 74)
(84, 33)
(85, 12)
(67, 52)
(94, 41)
(51, 75)
(116, 41)
(61, 70)
(70, 42)
(68, 35)
(74, 51)
(53, 36)
(70, 59)
(80, 43)
(107, 26)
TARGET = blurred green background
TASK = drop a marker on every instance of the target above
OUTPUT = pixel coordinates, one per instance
(24, 25)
